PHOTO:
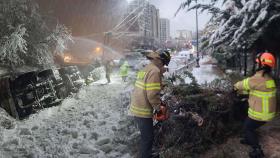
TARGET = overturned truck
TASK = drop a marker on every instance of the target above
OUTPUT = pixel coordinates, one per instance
(25, 93)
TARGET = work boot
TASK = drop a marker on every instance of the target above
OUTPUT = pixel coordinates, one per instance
(244, 141)
(256, 153)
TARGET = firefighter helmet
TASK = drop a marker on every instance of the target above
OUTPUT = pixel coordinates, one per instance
(164, 56)
(266, 58)
(152, 55)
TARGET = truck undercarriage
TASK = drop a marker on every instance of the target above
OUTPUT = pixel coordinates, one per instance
(26, 93)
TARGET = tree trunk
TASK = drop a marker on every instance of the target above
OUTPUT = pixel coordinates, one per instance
(254, 65)
(239, 62)
(277, 74)
(245, 63)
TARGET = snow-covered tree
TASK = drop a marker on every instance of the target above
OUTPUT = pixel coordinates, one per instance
(25, 37)
(238, 25)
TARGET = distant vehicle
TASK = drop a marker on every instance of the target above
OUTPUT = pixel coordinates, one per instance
(187, 54)
(184, 57)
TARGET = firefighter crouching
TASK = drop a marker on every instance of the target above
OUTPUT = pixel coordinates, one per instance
(262, 101)
(145, 100)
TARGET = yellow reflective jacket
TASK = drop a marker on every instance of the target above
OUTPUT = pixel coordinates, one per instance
(124, 69)
(146, 94)
(262, 96)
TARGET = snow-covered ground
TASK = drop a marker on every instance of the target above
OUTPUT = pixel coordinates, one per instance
(89, 124)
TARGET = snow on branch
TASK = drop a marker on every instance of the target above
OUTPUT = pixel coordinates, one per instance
(59, 38)
(244, 22)
(210, 8)
(260, 18)
(25, 36)
(12, 47)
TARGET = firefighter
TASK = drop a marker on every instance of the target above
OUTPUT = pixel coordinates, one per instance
(262, 101)
(124, 70)
(145, 101)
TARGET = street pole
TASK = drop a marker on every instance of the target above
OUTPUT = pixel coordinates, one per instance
(197, 53)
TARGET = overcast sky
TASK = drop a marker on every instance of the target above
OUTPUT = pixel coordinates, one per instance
(183, 20)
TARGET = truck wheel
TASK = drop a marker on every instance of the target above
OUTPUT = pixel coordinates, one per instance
(62, 92)
(68, 83)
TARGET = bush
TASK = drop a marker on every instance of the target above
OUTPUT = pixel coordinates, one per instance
(221, 110)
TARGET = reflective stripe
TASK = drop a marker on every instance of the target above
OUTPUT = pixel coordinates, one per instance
(265, 105)
(153, 88)
(263, 94)
(246, 84)
(266, 60)
(141, 75)
(261, 116)
(166, 55)
(141, 111)
(270, 84)
(147, 86)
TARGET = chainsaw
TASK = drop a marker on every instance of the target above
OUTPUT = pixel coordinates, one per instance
(163, 114)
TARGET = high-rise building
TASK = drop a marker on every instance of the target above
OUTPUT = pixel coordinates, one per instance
(143, 21)
(154, 14)
(164, 30)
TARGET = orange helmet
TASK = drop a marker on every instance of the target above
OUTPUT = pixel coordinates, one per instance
(266, 59)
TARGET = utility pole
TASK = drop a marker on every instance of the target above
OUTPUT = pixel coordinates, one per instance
(197, 53)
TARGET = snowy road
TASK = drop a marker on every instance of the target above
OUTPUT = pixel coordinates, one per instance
(83, 126)
(207, 71)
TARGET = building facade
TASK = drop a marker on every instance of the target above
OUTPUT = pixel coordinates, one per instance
(164, 30)
(143, 22)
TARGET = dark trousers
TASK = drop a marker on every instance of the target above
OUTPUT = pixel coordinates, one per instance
(249, 131)
(108, 77)
(147, 136)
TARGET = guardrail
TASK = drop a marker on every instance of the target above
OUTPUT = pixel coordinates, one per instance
(188, 66)
(181, 69)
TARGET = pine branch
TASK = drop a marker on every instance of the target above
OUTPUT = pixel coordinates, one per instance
(211, 9)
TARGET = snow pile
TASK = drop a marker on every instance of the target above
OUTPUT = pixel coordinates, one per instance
(97, 73)
(91, 124)
(6, 121)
